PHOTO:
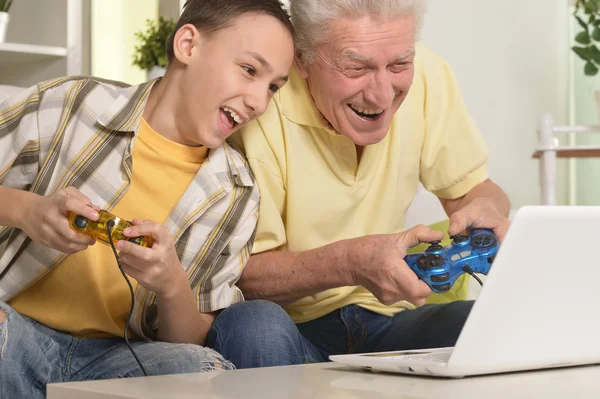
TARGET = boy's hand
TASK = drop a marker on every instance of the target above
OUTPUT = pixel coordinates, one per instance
(158, 268)
(45, 221)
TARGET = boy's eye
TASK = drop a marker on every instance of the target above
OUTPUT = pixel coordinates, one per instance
(273, 88)
(251, 71)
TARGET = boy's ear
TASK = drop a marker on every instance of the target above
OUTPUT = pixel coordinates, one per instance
(186, 40)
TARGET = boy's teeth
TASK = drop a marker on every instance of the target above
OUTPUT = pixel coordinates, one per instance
(234, 115)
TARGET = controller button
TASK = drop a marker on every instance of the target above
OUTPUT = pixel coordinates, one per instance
(464, 254)
(454, 258)
(136, 240)
(490, 259)
(81, 222)
(434, 248)
(443, 287)
(459, 239)
(483, 241)
(427, 262)
(440, 278)
(437, 260)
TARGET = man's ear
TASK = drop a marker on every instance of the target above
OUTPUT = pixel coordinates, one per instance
(301, 65)
(186, 39)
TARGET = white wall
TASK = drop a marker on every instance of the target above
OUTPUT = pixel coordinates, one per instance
(511, 61)
(114, 23)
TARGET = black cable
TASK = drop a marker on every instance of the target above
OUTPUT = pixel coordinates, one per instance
(109, 225)
(467, 269)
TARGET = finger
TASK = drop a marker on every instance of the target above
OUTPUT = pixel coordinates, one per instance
(68, 247)
(132, 271)
(501, 230)
(79, 208)
(147, 228)
(136, 251)
(131, 262)
(75, 193)
(459, 222)
(419, 234)
(68, 235)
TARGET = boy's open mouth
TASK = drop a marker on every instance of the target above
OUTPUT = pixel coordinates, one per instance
(232, 117)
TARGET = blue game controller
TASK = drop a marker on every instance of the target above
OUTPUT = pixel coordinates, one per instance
(440, 266)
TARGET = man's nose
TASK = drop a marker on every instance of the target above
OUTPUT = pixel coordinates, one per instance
(381, 90)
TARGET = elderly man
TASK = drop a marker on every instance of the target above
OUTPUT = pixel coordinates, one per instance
(338, 157)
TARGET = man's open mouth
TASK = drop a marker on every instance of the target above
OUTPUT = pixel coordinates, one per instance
(370, 114)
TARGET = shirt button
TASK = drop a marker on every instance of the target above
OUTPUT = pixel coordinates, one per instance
(124, 176)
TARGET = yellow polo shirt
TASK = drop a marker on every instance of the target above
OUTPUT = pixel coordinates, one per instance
(314, 192)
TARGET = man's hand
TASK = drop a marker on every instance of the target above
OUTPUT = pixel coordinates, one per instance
(377, 263)
(44, 220)
(479, 213)
(158, 268)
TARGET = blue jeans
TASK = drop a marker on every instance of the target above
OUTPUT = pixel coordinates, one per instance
(260, 333)
(33, 355)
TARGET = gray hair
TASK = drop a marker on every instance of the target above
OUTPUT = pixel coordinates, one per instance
(311, 18)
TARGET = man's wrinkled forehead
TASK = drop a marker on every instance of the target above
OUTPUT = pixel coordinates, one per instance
(354, 56)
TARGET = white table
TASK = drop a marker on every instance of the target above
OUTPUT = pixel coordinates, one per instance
(328, 380)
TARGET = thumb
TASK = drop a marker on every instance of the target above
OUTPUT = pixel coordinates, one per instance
(459, 222)
(419, 234)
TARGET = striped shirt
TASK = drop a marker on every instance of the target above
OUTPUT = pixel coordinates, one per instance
(80, 132)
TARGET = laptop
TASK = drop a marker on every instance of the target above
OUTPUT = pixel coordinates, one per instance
(538, 308)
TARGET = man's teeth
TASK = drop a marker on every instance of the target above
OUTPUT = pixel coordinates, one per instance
(234, 115)
(366, 111)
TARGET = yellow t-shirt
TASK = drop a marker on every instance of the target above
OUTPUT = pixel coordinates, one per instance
(85, 294)
(314, 192)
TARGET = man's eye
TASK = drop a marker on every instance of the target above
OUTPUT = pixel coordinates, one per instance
(273, 88)
(251, 71)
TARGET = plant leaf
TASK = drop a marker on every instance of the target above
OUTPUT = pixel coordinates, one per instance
(590, 69)
(591, 6)
(582, 52)
(583, 38)
(594, 53)
(596, 34)
(583, 24)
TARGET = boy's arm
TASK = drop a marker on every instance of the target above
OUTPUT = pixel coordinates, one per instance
(19, 157)
(186, 313)
(188, 316)
(42, 218)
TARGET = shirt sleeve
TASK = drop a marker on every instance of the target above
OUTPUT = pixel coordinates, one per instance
(222, 289)
(454, 155)
(19, 145)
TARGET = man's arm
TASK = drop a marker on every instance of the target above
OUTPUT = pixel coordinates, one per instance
(284, 276)
(484, 206)
(375, 262)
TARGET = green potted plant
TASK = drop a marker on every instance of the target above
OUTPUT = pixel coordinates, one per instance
(150, 52)
(587, 14)
(4, 17)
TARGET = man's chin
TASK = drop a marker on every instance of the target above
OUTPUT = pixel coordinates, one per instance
(363, 139)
